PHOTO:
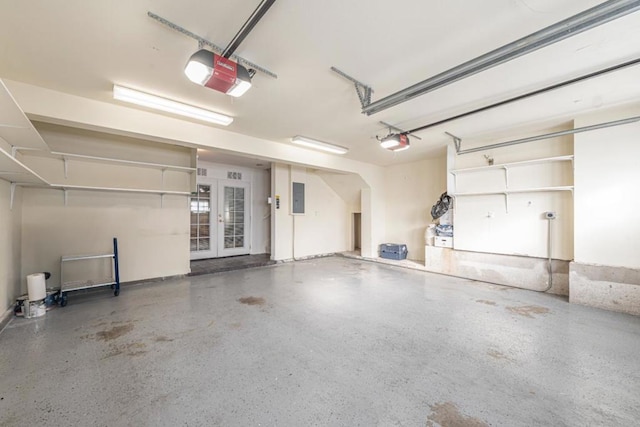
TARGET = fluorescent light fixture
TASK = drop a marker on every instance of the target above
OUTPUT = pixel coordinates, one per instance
(319, 145)
(217, 72)
(163, 104)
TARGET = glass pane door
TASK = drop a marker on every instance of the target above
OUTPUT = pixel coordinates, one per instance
(233, 218)
(202, 241)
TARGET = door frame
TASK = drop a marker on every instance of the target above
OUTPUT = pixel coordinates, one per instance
(220, 230)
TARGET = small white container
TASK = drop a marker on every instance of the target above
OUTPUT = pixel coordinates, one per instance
(36, 287)
(444, 242)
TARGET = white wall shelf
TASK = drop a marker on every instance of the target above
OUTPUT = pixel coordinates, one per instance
(14, 124)
(514, 191)
(514, 164)
(161, 166)
(507, 166)
(14, 171)
(162, 193)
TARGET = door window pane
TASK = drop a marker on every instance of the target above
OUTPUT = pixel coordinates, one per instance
(233, 217)
(200, 208)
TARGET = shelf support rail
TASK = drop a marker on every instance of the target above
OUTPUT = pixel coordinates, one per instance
(548, 135)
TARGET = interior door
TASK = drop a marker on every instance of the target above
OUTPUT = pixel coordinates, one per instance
(204, 233)
(234, 224)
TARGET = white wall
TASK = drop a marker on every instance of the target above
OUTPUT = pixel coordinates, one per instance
(10, 230)
(324, 228)
(410, 191)
(153, 241)
(607, 204)
(483, 223)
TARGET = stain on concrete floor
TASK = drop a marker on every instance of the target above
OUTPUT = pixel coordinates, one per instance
(497, 355)
(115, 332)
(484, 301)
(447, 414)
(528, 310)
(162, 338)
(130, 349)
(252, 300)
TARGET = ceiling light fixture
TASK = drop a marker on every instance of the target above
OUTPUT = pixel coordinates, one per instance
(217, 72)
(163, 104)
(319, 145)
(395, 142)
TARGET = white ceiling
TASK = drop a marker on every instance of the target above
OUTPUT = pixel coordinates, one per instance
(84, 47)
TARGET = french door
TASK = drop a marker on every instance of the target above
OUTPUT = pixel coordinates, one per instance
(220, 219)
(233, 218)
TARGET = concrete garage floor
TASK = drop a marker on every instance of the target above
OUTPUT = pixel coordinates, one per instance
(329, 342)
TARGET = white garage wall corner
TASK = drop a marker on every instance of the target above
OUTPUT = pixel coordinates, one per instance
(325, 226)
(10, 261)
(606, 271)
(410, 191)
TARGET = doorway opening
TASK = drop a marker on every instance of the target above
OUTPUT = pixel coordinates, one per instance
(357, 231)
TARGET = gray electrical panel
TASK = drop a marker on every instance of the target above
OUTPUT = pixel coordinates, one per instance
(298, 198)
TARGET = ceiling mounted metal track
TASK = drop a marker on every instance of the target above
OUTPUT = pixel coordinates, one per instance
(247, 27)
(564, 29)
(545, 136)
(204, 42)
(618, 67)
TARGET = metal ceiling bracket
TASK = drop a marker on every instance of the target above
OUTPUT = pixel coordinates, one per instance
(204, 42)
(364, 91)
(456, 141)
(397, 129)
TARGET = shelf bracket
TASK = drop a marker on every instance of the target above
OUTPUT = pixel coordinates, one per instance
(163, 171)
(506, 177)
(65, 196)
(65, 160)
(13, 193)
(506, 202)
(457, 141)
